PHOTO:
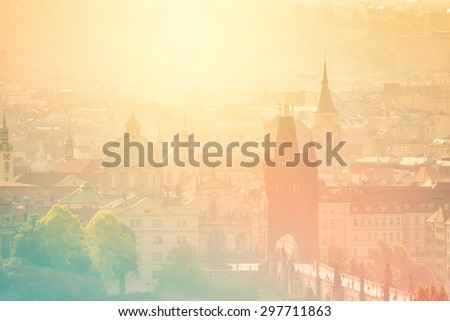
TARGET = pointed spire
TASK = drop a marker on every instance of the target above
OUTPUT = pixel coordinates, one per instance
(325, 104)
(4, 117)
(4, 112)
(4, 133)
(68, 143)
(325, 75)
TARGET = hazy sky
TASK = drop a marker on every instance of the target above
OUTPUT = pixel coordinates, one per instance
(193, 42)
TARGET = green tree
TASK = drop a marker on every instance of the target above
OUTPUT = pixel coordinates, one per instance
(430, 292)
(26, 244)
(182, 277)
(54, 241)
(3, 277)
(111, 247)
(30, 282)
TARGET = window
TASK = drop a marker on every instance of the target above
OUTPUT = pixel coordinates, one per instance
(157, 223)
(181, 223)
(369, 221)
(391, 221)
(383, 221)
(398, 221)
(156, 274)
(355, 222)
(113, 181)
(181, 239)
(135, 223)
(6, 165)
(157, 256)
(158, 239)
(132, 182)
(362, 222)
(417, 220)
(151, 181)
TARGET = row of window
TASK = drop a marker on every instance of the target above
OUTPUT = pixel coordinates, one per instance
(376, 221)
(158, 223)
(391, 221)
(332, 209)
(159, 239)
(333, 224)
(373, 237)
(416, 235)
(339, 209)
(361, 237)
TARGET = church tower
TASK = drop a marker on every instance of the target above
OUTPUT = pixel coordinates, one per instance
(133, 127)
(6, 154)
(292, 218)
(326, 116)
(68, 145)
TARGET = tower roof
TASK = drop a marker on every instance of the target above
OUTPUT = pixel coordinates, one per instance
(68, 139)
(4, 126)
(132, 126)
(325, 104)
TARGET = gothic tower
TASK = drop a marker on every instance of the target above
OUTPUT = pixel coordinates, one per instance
(291, 196)
(6, 153)
(68, 145)
(326, 116)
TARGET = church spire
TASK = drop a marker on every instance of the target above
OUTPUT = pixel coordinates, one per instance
(325, 104)
(5, 132)
(68, 144)
(4, 118)
(325, 75)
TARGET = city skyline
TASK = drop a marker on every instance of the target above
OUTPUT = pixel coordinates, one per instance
(227, 96)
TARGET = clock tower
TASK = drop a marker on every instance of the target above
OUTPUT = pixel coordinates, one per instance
(6, 154)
